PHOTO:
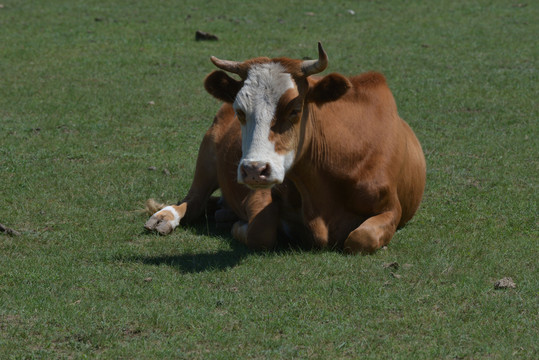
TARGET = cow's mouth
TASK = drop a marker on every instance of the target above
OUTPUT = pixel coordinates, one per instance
(259, 184)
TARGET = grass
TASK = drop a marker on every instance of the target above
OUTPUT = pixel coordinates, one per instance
(78, 134)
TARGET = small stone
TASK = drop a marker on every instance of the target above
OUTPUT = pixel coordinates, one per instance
(505, 283)
(148, 279)
(152, 168)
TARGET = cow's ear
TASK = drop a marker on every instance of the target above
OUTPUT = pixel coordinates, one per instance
(222, 86)
(330, 88)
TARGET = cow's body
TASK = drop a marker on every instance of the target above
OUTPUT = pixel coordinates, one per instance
(341, 168)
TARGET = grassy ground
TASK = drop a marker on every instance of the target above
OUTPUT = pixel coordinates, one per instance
(93, 93)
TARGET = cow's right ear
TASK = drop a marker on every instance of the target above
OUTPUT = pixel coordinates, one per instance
(222, 86)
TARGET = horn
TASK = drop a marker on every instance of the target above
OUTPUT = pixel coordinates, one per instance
(310, 67)
(234, 67)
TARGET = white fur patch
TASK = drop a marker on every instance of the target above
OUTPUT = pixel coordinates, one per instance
(173, 211)
(258, 99)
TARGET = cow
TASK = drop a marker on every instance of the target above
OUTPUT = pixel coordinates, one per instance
(320, 161)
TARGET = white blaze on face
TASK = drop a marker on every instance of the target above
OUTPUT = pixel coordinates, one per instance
(258, 99)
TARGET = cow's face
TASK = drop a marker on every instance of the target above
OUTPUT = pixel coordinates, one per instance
(269, 103)
(268, 108)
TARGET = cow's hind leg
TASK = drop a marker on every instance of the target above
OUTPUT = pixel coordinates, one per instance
(192, 206)
(373, 233)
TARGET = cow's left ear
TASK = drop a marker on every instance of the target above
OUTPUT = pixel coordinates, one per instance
(222, 86)
(330, 88)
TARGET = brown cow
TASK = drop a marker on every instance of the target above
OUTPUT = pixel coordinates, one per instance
(322, 161)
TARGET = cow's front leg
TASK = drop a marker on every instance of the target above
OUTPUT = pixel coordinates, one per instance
(193, 205)
(260, 232)
(373, 233)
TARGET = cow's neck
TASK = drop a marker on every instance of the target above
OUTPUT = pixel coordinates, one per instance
(312, 145)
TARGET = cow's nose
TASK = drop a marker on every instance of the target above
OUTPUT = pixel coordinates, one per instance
(255, 172)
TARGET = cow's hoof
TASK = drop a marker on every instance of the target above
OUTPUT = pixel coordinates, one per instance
(162, 226)
(239, 231)
(163, 221)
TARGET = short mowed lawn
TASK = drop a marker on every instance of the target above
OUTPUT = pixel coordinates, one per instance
(102, 107)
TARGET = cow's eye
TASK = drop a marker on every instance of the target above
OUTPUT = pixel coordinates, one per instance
(241, 116)
(294, 115)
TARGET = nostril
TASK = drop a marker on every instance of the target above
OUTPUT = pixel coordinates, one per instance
(243, 171)
(265, 171)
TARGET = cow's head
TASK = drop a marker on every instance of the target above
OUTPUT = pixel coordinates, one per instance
(270, 102)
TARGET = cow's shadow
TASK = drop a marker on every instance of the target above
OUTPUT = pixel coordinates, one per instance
(195, 262)
(221, 260)
(204, 261)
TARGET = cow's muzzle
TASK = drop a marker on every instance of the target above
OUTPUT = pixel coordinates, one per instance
(256, 174)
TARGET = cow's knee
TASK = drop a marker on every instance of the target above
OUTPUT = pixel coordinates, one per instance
(374, 233)
(254, 237)
(362, 240)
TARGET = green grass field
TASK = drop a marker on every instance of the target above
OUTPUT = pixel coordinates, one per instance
(93, 93)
